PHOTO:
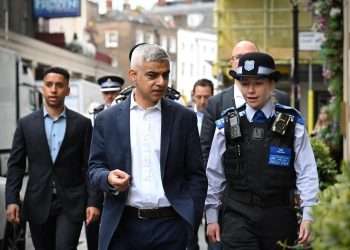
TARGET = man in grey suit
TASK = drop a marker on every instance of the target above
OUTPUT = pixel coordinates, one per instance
(56, 141)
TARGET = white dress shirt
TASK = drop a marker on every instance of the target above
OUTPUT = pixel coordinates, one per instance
(239, 99)
(304, 165)
(200, 116)
(146, 190)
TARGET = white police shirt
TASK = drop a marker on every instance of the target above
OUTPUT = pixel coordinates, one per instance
(304, 165)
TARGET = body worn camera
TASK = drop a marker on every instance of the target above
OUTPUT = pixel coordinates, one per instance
(233, 121)
(281, 123)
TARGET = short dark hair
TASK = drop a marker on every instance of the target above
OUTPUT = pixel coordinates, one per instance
(204, 83)
(57, 70)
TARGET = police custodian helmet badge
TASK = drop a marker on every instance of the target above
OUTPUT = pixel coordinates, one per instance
(249, 65)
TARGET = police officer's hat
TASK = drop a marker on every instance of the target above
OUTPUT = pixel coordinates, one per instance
(110, 83)
(256, 64)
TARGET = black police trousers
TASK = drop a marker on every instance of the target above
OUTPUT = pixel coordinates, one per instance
(249, 227)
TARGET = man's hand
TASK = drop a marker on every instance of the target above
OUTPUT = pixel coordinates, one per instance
(12, 213)
(92, 214)
(119, 180)
(213, 232)
(304, 232)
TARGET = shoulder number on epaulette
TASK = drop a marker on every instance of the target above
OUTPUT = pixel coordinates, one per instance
(220, 123)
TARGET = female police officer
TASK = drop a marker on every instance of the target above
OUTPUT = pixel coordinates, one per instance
(260, 157)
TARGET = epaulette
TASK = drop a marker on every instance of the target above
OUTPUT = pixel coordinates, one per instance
(291, 111)
(240, 110)
(221, 122)
(99, 108)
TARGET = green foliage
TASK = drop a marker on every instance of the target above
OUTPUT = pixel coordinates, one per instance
(326, 166)
(329, 20)
(331, 227)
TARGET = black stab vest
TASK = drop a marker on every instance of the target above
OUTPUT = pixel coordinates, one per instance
(246, 160)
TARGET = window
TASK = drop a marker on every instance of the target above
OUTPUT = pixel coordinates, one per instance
(115, 62)
(139, 37)
(191, 69)
(173, 71)
(164, 42)
(183, 69)
(111, 39)
(172, 47)
(149, 38)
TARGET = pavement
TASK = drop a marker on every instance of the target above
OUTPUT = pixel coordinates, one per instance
(82, 240)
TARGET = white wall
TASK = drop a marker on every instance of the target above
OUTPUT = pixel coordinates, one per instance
(196, 51)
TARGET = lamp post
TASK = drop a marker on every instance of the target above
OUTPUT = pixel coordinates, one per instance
(295, 73)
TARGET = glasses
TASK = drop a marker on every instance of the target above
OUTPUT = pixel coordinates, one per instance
(236, 57)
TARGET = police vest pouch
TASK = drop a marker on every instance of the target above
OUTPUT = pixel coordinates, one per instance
(258, 133)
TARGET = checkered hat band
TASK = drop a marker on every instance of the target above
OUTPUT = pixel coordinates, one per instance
(261, 70)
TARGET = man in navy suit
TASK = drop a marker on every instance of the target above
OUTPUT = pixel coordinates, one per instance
(56, 141)
(145, 155)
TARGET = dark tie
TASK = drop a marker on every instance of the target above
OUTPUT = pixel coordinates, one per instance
(259, 117)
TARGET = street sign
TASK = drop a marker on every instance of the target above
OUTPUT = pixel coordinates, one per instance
(56, 8)
(311, 41)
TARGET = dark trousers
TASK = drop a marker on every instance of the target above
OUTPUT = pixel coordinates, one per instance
(92, 231)
(57, 233)
(193, 240)
(150, 234)
(248, 227)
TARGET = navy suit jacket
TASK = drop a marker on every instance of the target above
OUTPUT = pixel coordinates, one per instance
(69, 171)
(182, 171)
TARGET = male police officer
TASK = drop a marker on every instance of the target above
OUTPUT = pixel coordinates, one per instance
(110, 88)
(260, 154)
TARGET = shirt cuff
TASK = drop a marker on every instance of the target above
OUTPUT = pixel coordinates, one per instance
(112, 189)
(211, 215)
(307, 213)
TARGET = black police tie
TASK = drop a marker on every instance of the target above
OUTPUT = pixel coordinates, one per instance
(259, 117)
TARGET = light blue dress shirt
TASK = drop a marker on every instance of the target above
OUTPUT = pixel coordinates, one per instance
(55, 130)
(304, 165)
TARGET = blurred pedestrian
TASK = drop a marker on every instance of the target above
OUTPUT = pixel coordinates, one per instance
(145, 155)
(260, 153)
(323, 123)
(202, 90)
(56, 141)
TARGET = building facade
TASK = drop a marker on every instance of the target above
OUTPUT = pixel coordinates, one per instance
(196, 55)
(117, 32)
